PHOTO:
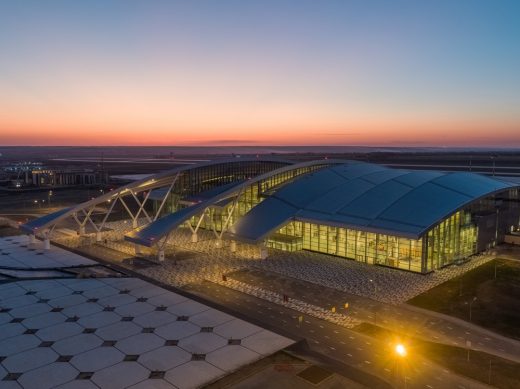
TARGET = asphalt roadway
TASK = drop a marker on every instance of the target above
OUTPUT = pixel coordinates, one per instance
(347, 352)
(403, 318)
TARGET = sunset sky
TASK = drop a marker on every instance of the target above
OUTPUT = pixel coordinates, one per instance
(220, 72)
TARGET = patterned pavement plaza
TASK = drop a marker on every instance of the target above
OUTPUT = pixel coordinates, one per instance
(112, 332)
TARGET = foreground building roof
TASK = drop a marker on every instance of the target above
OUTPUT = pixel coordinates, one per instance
(367, 197)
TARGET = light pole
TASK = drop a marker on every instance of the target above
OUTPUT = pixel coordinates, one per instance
(375, 306)
(375, 285)
(496, 222)
(49, 195)
(493, 157)
(489, 373)
(400, 352)
(470, 305)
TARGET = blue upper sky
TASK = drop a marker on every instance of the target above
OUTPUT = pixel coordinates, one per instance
(327, 72)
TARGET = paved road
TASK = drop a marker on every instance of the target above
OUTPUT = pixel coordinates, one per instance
(401, 318)
(357, 353)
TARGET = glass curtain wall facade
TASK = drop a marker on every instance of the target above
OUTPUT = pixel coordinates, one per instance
(251, 196)
(362, 246)
(201, 179)
(204, 178)
(453, 239)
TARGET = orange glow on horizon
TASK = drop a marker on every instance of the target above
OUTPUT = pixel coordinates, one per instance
(369, 133)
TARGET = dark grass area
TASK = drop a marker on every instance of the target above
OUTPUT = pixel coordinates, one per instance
(314, 374)
(281, 360)
(497, 306)
(483, 367)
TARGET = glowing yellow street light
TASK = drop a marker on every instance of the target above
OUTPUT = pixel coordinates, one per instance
(400, 350)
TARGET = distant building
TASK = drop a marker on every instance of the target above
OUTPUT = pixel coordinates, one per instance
(27, 175)
(66, 177)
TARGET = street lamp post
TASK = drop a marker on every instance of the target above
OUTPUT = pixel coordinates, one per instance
(375, 295)
(375, 286)
(470, 305)
(493, 159)
(400, 352)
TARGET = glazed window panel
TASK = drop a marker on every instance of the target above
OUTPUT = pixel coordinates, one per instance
(342, 242)
(351, 244)
(451, 240)
(361, 246)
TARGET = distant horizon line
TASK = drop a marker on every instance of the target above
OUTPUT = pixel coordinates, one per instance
(271, 145)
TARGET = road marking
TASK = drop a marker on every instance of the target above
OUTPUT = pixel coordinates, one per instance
(349, 355)
(342, 342)
(332, 348)
(367, 362)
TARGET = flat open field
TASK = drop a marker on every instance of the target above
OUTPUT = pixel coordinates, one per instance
(497, 304)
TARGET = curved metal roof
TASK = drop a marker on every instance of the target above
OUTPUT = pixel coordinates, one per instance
(368, 197)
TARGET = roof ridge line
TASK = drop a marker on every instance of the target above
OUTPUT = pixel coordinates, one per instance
(374, 186)
(411, 189)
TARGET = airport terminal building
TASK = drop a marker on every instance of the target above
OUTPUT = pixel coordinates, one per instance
(407, 219)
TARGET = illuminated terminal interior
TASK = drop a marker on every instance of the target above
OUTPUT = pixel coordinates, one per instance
(407, 219)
